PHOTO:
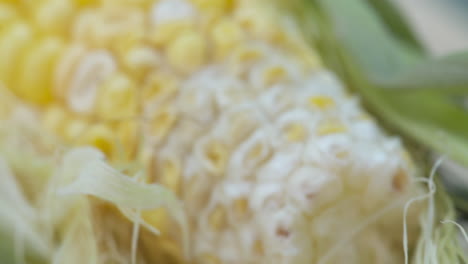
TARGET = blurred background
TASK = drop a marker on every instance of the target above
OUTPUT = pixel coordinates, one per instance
(441, 24)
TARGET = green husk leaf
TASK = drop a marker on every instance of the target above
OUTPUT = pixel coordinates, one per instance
(99, 179)
(439, 242)
(389, 12)
(382, 69)
(80, 243)
(20, 236)
(6, 247)
(446, 74)
(378, 54)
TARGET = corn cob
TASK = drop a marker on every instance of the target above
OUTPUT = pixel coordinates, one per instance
(224, 103)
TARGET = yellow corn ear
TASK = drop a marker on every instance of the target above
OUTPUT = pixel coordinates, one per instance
(224, 103)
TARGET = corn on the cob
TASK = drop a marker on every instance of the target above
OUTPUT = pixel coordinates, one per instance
(226, 105)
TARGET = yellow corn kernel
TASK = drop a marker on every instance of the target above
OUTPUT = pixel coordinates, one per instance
(255, 21)
(217, 218)
(170, 174)
(110, 27)
(241, 206)
(54, 118)
(331, 127)
(101, 137)
(53, 16)
(282, 36)
(117, 98)
(74, 129)
(213, 10)
(127, 138)
(157, 218)
(256, 151)
(258, 247)
(7, 14)
(160, 86)
(84, 3)
(82, 30)
(140, 60)
(209, 259)
(217, 155)
(243, 56)
(247, 54)
(162, 35)
(187, 52)
(13, 40)
(8, 102)
(274, 74)
(124, 43)
(322, 102)
(34, 81)
(296, 133)
(171, 251)
(219, 6)
(226, 36)
(161, 123)
(8, 2)
(125, 3)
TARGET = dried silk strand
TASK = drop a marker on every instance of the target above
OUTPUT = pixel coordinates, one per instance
(462, 230)
(135, 235)
(136, 225)
(432, 190)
